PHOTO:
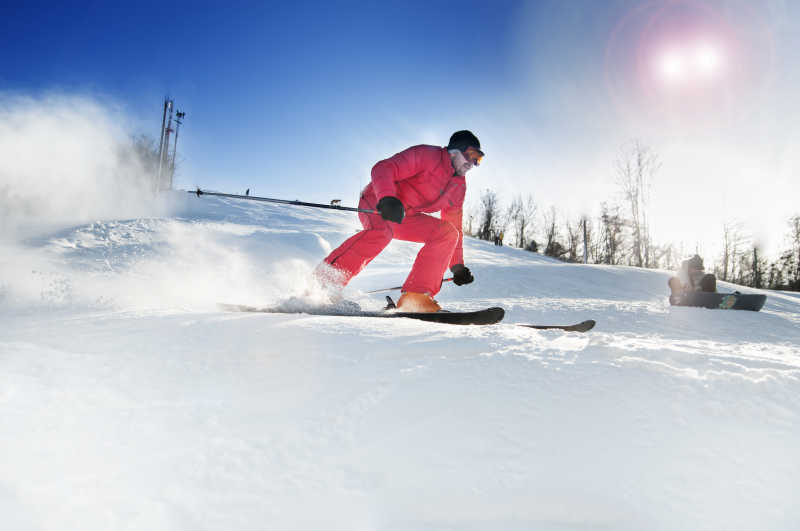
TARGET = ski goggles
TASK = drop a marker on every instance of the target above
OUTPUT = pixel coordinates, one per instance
(474, 155)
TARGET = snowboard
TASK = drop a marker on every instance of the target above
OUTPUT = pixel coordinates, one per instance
(723, 301)
(485, 316)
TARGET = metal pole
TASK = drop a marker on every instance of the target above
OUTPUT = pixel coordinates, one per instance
(401, 287)
(174, 154)
(178, 123)
(161, 146)
(167, 131)
(200, 192)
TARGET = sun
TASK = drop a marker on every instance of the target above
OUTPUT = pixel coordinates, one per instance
(698, 62)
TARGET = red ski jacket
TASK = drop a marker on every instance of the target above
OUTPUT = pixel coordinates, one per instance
(422, 177)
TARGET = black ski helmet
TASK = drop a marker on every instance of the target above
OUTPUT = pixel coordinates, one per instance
(461, 140)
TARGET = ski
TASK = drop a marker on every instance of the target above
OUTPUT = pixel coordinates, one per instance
(583, 326)
(485, 316)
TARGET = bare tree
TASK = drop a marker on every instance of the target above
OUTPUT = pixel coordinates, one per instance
(786, 266)
(490, 215)
(666, 256)
(636, 168)
(513, 214)
(521, 215)
(585, 235)
(574, 240)
(784, 273)
(612, 237)
(732, 244)
(591, 241)
(726, 251)
(472, 214)
(775, 278)
(794, 237)
(551, 234)
(758, 266)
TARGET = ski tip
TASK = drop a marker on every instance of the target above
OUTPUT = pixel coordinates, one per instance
(583, 326)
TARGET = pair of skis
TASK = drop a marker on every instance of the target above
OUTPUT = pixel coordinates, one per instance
(485, 316)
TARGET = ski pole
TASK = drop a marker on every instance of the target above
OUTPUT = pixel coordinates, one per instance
(401, 287)
(200, 192)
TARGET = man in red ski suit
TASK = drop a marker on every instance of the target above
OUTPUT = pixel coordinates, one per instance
(404, 189)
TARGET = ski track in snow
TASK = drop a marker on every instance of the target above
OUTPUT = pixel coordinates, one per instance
(130, 401)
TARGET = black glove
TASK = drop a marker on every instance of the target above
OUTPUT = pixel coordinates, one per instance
(461, 275)
(391, 209)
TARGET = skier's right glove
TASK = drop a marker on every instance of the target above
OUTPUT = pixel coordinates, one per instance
(391, 209)
(461, 275)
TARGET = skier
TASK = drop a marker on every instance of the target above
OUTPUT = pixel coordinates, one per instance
(691, 277)
(404, 189)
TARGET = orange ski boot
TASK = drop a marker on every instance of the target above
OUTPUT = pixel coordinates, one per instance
(417, 303)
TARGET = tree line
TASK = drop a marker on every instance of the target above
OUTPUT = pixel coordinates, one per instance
(621, 234)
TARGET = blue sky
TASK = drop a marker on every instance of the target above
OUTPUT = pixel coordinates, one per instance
(273, 93)
(298, 100)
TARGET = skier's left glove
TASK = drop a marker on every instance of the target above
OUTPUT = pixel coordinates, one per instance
(461, 275)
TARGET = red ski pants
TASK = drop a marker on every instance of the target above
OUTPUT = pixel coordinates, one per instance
(440, 238)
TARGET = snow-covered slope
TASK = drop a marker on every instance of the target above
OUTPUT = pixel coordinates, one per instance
(128, 400)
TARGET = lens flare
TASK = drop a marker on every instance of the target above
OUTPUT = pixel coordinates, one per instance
(706, 59)
(672, 66)
(699, 62)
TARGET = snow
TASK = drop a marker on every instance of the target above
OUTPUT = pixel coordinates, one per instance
(129, 400)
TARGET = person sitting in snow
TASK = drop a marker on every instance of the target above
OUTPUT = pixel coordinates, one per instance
(691, 277)
(404, 189)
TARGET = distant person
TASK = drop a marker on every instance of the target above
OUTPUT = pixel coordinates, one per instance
(691, 277)
(404, 189)
(247, 192)
(500, 238)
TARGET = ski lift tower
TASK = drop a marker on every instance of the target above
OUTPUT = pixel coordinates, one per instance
(178, 121)
(167, 154)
